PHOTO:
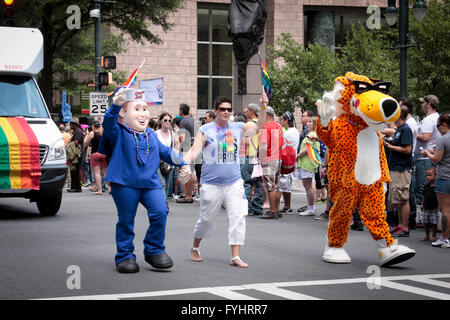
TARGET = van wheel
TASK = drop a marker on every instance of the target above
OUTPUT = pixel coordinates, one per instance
(49, 205)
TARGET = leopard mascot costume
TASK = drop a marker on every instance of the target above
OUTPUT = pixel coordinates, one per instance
(350, 117)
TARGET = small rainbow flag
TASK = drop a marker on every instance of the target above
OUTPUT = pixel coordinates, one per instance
(265, 79)
(130, 82)
(20, 166)
(313, 154)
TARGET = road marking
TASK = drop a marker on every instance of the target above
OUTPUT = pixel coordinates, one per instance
(229, 292)
(432, 282)
(276, 291)
(415, 290)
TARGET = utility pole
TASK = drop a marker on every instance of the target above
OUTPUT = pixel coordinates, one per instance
(419, 10)
(96, 14)
(403, 39)
(98, 46)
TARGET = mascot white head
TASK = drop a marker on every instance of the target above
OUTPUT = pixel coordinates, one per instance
(135, 113)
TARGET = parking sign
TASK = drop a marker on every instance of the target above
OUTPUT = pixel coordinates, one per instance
(98, 103)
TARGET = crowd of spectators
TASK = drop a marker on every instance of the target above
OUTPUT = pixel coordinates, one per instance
(418, 154)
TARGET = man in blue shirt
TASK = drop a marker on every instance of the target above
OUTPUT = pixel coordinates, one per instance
(400, 166)
(135, 152)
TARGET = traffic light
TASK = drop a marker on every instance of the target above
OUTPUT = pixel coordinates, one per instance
(109, 62)
(105, 78)
(8, 13)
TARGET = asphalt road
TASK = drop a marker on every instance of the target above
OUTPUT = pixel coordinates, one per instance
(71, 255)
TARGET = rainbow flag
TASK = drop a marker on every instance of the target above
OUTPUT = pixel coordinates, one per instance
(265, 79)
(130, 81)
(20, 166)
(313, 154)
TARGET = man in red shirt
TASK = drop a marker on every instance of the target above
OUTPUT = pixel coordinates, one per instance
(271, 141)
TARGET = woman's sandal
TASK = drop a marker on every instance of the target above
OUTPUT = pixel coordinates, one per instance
(237, 262)
(193, 249)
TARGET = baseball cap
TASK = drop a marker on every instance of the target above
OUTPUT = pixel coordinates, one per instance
(253, 107)
(431, 99)
(269, 110)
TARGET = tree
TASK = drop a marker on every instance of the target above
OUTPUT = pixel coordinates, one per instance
(50, 16)
(77, 56)
(429, 62)
(371, 53)
(300, 76)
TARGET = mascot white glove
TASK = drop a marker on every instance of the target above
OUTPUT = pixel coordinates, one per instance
(325, 109)
(119, 97)
(185, 174)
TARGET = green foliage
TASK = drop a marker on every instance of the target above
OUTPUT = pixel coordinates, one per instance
(130, 16)
(301, 77)
(369, 53)
(429, 62)
(76, 58)
(69, 52)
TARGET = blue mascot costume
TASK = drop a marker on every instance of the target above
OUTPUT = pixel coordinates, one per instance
(135, 153)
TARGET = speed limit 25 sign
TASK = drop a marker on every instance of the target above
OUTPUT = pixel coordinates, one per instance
(98, 103)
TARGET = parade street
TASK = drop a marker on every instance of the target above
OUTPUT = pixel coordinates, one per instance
(71, 255)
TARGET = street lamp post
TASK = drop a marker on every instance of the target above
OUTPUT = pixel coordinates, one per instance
(98, 47)
(419, 10)
(403, 41)
(96, 14)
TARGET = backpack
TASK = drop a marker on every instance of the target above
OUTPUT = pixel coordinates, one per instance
(288, 158)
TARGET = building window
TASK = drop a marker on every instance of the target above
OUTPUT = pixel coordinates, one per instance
(316, 22)
(214, 56)
(343, 24)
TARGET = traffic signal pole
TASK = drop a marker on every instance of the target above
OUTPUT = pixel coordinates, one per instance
(98, 47)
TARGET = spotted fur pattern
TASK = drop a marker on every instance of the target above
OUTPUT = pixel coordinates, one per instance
(347, 194)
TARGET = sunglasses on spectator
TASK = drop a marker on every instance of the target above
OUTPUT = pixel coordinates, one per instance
(166, 120)
(225, 109)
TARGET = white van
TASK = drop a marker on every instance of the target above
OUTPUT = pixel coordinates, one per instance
(21, 59)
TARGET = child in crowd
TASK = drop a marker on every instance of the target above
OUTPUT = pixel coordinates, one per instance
(307, 166)
(430, 206)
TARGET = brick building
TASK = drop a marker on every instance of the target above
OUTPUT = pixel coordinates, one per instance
(196, 61)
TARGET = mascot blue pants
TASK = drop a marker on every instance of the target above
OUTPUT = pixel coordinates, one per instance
(127, 200)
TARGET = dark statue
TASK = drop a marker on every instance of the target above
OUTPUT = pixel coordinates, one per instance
(246, 21)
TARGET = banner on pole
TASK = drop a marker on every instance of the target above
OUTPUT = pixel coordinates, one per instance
(154, 90)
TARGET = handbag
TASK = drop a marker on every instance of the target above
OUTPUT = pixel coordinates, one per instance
(164, 167)
(257, 169)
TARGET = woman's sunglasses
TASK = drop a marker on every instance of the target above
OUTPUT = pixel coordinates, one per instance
(165, 120)
(225, 109)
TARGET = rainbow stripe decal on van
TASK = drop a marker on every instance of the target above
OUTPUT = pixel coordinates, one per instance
(20, 166)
